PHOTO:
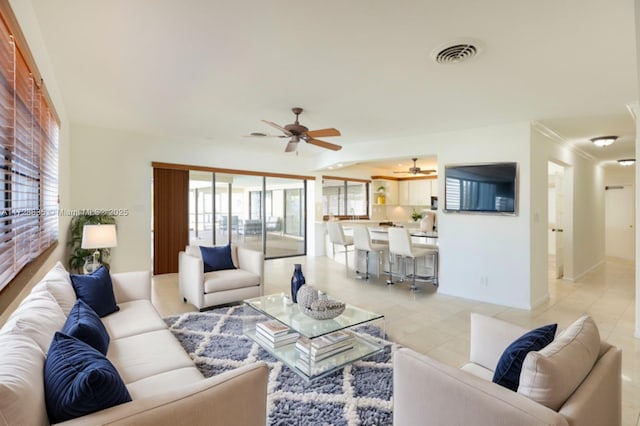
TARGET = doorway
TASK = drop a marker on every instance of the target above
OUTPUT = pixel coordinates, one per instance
(619, 219)
(556, 219)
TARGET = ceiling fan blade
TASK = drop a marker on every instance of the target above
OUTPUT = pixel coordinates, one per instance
(323, 144)
(277, 126)
(263, 135)
(426, 172)
(291, 146)
(323, 133)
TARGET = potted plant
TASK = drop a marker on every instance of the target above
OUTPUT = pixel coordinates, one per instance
(78, 254)
(415, 215)
(380, 199)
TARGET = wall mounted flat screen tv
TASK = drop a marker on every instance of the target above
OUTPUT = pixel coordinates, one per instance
(490, 188)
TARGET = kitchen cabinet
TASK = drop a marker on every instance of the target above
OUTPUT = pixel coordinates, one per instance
(403, 193)
(420, 192)
(415, 192)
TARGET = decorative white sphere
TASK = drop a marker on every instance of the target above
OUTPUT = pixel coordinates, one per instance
(307, 295)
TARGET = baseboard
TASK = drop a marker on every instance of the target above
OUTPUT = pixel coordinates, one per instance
(582, 274)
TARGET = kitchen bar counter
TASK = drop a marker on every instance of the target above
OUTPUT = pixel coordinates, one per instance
(419, 238)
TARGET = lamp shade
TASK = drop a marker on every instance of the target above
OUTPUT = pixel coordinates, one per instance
(99, 236)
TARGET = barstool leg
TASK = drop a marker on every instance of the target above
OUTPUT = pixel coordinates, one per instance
(413, 282)
(366, 264)
(435, 268)
(390, 280)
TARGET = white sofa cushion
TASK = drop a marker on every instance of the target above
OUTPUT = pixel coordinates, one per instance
(550, 376)
(21, 386)
(230, 279)
(58, 282)
(134, 317)
(159, 383)
(144, 355)
(38, 317)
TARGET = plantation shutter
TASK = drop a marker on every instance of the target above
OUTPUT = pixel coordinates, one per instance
(7, 71)
(28, 162)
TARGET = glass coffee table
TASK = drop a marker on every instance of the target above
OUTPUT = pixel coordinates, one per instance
(314, 332)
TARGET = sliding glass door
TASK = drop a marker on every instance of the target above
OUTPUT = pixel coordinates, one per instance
(260, 212)
(285, 217)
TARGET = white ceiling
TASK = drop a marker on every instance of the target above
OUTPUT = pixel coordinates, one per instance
(212, 69)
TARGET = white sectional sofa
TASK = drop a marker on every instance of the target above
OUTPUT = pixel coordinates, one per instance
(165, 386)
(575, 380)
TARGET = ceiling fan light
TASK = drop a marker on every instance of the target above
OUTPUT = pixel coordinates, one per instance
(626, 162)
(603, 141)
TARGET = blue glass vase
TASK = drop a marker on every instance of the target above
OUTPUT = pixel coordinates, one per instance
(297, 281)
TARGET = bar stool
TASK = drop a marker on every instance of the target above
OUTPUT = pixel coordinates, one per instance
(362, 242)
(400, 245)
(336, 236)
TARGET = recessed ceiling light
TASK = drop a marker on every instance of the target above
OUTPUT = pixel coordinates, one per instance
(603, 141)
(625, 162)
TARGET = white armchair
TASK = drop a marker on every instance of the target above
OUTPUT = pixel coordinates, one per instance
(205, 290)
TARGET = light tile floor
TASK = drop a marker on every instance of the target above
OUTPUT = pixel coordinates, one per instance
(438, 325)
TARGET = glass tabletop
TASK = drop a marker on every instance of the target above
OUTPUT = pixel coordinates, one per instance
(274, 306)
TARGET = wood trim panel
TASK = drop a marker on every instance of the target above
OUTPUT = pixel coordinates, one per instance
(346, 178)
(171, 166)
(403, 178)
(170, 218)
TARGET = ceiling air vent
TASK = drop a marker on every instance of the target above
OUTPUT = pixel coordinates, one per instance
(456, 51)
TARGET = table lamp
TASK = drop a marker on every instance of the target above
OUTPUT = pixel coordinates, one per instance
(97, 237)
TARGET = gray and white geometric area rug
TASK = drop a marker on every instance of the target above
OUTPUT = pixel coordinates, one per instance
(359, 394)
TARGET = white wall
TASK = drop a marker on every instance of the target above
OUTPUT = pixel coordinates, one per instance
(636, 111)
(472, 247)
(508, 253)
(584, 214)
(111, 169)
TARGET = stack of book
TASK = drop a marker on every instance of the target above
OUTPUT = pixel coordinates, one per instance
(314, 350)
(274, 334)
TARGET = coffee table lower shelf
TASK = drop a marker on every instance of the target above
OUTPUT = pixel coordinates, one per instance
(362, 348)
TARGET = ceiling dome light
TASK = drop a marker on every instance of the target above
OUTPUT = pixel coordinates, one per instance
(626, 162)
(604, 140)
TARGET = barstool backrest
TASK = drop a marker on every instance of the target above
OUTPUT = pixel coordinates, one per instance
(336, 233)
(400, 242)
(361, 238)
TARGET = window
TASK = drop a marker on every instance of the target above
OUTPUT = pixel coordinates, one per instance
(28, 159)
(255, 204)
(345, 197)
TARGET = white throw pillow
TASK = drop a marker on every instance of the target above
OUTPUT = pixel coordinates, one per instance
(38, 317)
(551, 375)
(21, 384)
(58, 283)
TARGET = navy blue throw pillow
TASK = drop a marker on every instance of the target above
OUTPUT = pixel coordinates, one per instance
(96, 290)
(79, 380)
(217, 258)
(83, 323)
(507, 372)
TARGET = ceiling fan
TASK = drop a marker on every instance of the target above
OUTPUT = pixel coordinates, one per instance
(417, 170)
(297, 132)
